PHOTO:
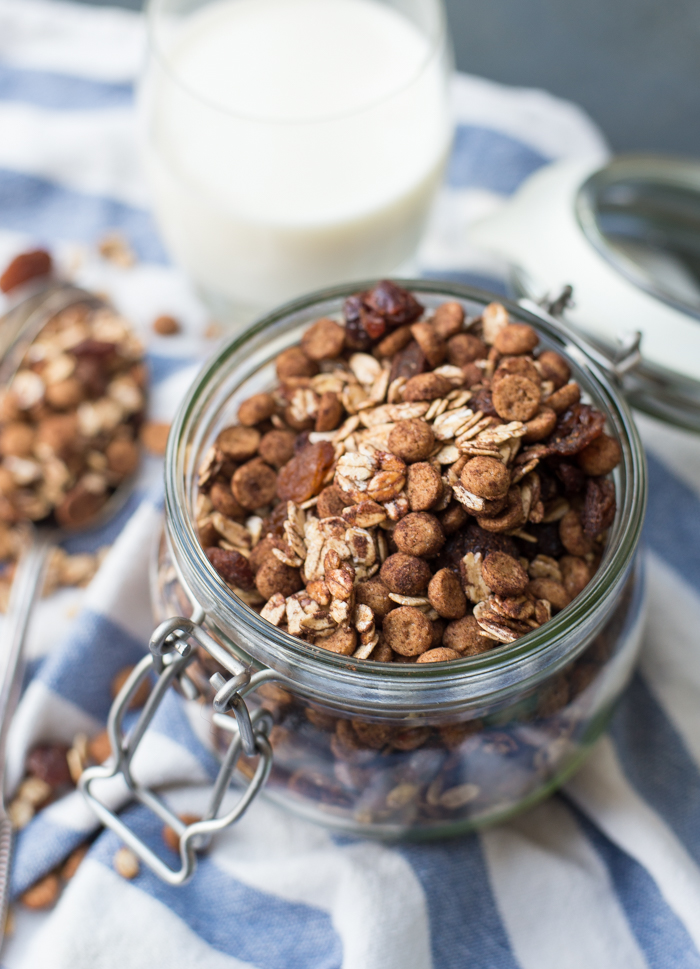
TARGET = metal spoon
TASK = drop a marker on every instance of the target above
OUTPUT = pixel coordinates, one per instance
(18, 329)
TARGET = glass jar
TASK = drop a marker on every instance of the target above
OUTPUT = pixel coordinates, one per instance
(417, 750)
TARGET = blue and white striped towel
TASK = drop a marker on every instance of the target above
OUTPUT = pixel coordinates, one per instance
(604, 876)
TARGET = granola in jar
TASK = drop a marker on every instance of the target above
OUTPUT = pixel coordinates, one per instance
(416, 538)
(444, 467)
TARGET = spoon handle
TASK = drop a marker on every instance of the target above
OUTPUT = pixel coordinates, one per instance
(27, 582)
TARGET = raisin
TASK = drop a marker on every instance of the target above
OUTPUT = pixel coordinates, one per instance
(572, 478)
(26, 266)
(232, 567)
(599, 506)
(301, 442)
(575, 430)
(93, 348)
(395, 305)
(408, 362)
(48, 763)
(548, 541)
(482, 401)
(356, 337)
(302, 477)
(474, 539)
(549, 489)
(373, 324)
(274, 523)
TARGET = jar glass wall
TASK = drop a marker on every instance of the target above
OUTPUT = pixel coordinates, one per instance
(403, 749)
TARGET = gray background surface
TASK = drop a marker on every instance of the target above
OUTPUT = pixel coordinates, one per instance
(634, 65)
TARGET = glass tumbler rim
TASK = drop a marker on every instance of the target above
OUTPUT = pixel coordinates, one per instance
(438, 47)
(389, 689)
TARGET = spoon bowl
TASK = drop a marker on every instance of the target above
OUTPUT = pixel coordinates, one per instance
(18, 331)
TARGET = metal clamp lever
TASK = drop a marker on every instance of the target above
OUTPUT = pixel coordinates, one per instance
(620, 362)
(170, 654)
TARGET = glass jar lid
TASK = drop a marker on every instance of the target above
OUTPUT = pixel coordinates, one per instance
(625, 239)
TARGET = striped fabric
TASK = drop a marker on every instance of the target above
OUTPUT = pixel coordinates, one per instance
(605, 875)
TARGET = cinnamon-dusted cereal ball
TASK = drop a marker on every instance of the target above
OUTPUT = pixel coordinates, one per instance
(446, 595)
(575, 573)
(343, 641)
(166, 326)
(65, 393)
(453, 517)
(486, 477)
(323, 340)
(511, 517)
(222, 499)
(254, 484)
(59, 432)
(374, 735)
(17, 440)
(465, 348)
(516, 338)
(274, 576)
(554, 367)
(551, 590)
(465, 637)
(277, 447)
(412, 440)
(427, 386)
(572, 535)
(238, 443)
(331, 502)
(516, 398)
(419, 533)
(523, 366)
(430, 343)
(540, 426)
(405, 574)
(424, 486)
(122, 457)
(439, 655)
(503, 574)
(600, 456)
(448, 319)
(472, 374)
(382, 652)
(258, 408)
(293, 362)
(394, 341)
(330, 412)
(374, 593)
(7, 482)
(565, 397)
(408, 631)
(261, 552)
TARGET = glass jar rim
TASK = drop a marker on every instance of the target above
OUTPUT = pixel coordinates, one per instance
(437, 45)
(512, 665)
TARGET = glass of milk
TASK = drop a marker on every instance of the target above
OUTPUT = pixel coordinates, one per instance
(293, 144)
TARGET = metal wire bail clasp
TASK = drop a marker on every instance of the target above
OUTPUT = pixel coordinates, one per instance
(170, 653)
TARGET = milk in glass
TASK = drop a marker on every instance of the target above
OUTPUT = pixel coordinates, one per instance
(293, 144)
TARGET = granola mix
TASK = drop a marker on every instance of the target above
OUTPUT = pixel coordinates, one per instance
(419, 486)
(69, 418)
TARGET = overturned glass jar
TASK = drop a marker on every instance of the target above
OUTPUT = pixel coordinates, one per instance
(381, 749)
